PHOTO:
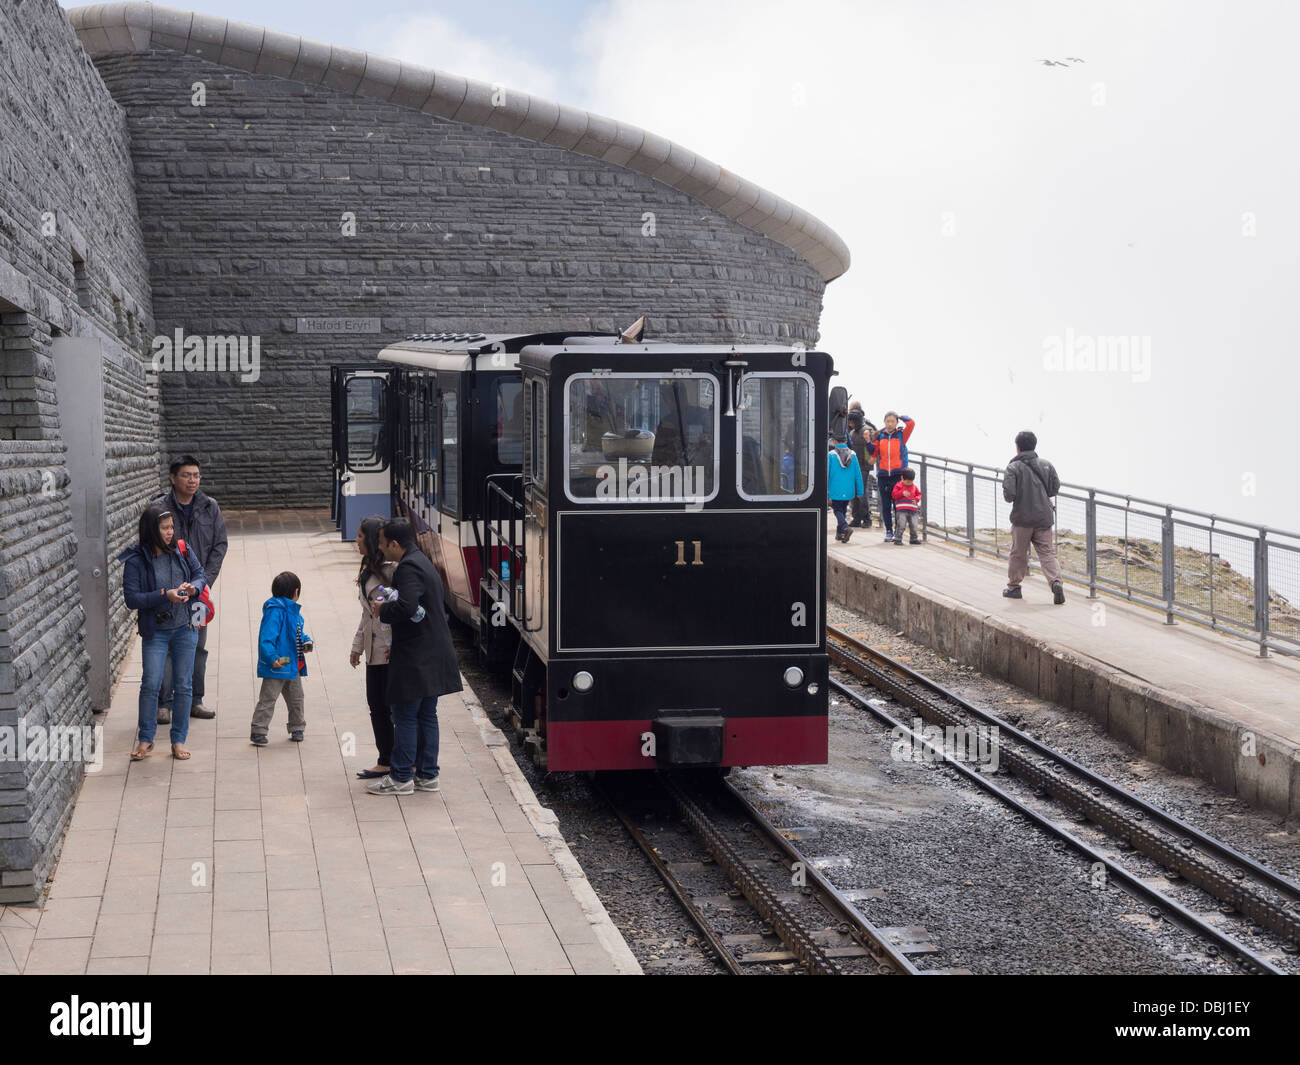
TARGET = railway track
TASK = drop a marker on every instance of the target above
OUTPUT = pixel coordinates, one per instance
(1245, 890)
(815, 926)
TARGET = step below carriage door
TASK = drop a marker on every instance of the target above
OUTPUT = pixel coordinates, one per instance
(365, 480)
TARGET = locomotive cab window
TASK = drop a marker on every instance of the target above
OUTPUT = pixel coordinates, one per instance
(367, 442)
(641, 438)
(774, 437)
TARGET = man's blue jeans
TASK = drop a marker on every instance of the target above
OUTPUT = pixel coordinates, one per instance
(885, 483)
(415, 739)
(180, 644)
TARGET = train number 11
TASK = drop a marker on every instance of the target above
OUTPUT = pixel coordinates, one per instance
(681, 553)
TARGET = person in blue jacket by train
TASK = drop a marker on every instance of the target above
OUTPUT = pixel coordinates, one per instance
(844, 481)
(162, 583)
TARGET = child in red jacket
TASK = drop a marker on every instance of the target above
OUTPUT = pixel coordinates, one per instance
(907, 507)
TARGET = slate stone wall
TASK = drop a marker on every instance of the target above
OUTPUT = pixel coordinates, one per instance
(71, 263)
(128, 212)
(246, 202)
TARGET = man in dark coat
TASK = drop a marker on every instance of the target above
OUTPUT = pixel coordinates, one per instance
(1029, 484)
(860, 431)
(200, 524)
(422, 664)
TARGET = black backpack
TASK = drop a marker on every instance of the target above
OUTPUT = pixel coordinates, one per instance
(839, 422)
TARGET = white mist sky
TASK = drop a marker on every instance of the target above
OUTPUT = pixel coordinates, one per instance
(990, 203)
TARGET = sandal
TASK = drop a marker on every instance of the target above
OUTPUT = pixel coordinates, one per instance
(372, 774)
(141, 752)
(179, 752)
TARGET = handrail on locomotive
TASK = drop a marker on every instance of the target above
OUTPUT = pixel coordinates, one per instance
(504, 502)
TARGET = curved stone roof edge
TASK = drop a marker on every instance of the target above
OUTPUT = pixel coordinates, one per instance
(106, 29)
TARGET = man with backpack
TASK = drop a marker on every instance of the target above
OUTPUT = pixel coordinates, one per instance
(844, 483)
(1029, 484)
(860, 436)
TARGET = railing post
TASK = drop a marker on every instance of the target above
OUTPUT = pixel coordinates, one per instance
(1261, 591)
(970, 509)
(1167, 563)
(925, 503)
(1090, 541)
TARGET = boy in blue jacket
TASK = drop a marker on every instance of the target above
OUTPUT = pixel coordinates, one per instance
(844, 481)
(281, 644)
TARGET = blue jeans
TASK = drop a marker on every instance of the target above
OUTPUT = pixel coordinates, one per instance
(180, 644)
(200, 673)
(885, 483)
(415, 739)
(839, 506)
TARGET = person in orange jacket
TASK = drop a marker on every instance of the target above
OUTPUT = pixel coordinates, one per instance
(889, 449)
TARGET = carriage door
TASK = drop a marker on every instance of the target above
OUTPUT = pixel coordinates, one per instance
(366, 469)
(532, 611)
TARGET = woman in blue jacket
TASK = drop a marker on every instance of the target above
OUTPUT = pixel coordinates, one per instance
(163, 585)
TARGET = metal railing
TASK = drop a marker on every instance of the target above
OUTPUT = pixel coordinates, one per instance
(501, 553)
(1233, 576)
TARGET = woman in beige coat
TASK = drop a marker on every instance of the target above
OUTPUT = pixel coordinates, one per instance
(373, 640)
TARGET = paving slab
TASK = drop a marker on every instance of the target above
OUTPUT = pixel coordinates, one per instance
(248, 860)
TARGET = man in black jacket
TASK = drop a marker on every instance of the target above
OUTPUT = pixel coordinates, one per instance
(200, 524)
(1029, 485)
(422, 664)
(860, 431)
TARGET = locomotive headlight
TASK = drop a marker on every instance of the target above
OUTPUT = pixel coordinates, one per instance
(812, 688)
(582, 681)
(794, 676)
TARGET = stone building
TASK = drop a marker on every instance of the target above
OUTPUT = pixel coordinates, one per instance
(166, 176)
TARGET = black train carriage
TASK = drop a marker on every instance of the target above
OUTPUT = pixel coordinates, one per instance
(455, 420)
(658, 566)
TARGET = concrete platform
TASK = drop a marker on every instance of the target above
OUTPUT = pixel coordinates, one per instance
(1191, 699)
(276, 860)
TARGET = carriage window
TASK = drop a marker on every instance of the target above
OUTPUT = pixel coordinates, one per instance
(530, 434)
(642, 438)
(449, 467)
(535, 429)
(509, 424)
(366, 440)
(428, 455)
(412, 425)
(775, 437)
